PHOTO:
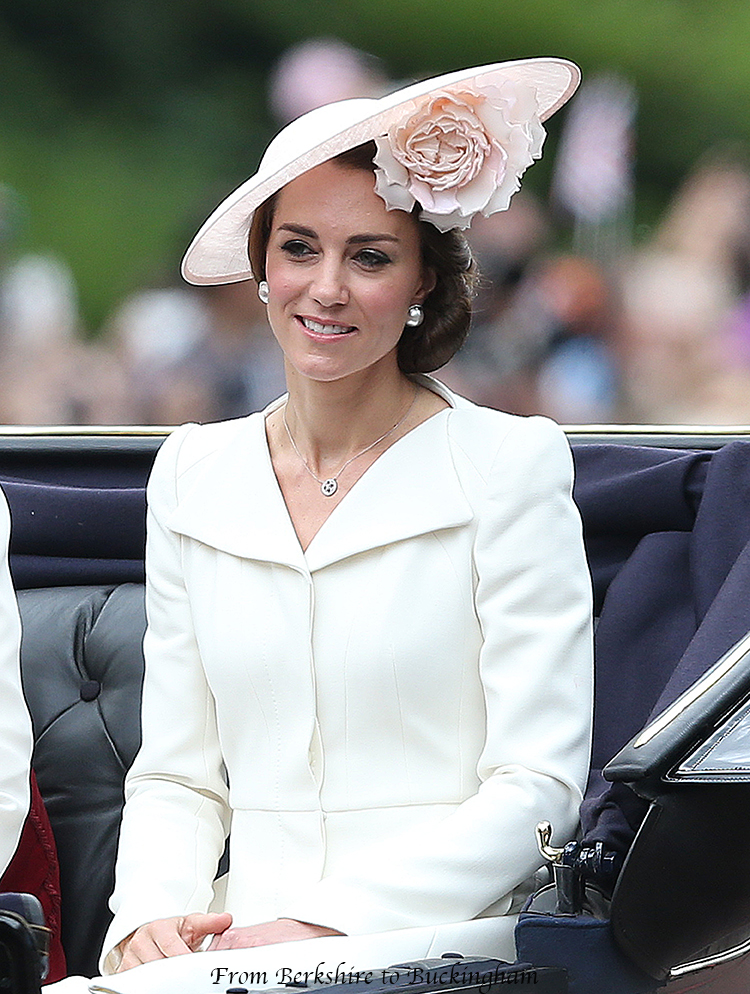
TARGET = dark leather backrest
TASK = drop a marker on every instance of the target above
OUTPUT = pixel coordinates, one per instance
(82, 666)
(77, 541)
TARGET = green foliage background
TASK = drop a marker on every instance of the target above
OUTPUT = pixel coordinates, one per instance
(123, 121)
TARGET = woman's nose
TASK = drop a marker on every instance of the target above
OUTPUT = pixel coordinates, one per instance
(329, 286)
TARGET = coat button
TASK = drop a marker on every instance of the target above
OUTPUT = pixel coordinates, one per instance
(90, 690)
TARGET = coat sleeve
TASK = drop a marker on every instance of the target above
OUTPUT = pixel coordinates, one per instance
(533, 601)
(176, 815)
(15, 729)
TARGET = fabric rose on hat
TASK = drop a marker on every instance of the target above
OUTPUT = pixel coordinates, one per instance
(460, 152)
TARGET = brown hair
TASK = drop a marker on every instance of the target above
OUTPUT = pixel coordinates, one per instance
(447, 308)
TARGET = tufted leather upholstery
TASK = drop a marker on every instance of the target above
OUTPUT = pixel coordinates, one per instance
(83, 669)
(78, 528)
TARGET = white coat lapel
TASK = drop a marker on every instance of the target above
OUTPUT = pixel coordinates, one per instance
(228, 498)
(412, 489)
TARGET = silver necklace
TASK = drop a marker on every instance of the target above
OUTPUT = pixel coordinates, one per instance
(329, 487)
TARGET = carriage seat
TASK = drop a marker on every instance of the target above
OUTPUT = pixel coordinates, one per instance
(78, 529)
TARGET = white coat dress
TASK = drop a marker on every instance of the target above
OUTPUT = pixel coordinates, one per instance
(379, 721)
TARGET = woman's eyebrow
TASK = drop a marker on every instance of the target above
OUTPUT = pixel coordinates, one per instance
(367, 237)
(298, 229)
(363, 239)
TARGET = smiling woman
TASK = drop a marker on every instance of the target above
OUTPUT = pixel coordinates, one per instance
(446, 257)
(342, 273)
(369, 647)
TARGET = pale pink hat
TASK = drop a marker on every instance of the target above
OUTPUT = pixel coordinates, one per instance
(219, 252)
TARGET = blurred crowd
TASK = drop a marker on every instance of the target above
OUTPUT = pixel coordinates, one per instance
(610, 329)
(658, 333)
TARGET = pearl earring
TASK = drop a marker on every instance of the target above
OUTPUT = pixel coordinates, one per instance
(263, 291)
(416, 316)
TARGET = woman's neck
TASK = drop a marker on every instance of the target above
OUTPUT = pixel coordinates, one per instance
(331, 421)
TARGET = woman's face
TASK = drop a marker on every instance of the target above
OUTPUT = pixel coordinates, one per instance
(342, 273)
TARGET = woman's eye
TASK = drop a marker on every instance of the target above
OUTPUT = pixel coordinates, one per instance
(296, 248)
(372, 258)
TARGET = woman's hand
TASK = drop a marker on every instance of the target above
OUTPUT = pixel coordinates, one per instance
(266, 933)
(170, 937)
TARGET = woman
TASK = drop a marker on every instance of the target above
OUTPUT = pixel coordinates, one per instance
(368, 652)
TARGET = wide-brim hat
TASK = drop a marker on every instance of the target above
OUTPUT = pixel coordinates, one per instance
(219, 251)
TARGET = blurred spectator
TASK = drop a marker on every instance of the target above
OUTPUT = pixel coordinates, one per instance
(541, 335)
(40, 302)
(673, 310)
(685, 352)
(709, 217)
(578, 379)
(195, 355)
(239, 357)
(150, 335)
(489, 368)
(47, 375)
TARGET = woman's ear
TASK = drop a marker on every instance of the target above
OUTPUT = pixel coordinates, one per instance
(428, 284)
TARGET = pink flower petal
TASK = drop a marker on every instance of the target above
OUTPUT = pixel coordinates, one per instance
(461, 153)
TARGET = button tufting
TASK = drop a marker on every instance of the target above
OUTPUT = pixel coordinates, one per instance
(90, 690)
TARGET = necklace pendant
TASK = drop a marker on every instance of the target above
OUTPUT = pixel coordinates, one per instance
(329, 487)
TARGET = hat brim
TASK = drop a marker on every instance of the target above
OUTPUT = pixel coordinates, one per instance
(219, 251)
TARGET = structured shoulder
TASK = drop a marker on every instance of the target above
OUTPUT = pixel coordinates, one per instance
(481, 434)
(188, 449)
(189, 444)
